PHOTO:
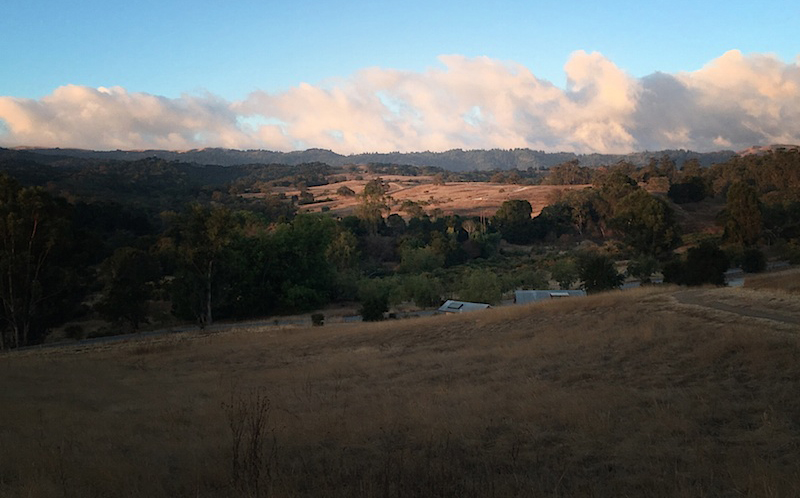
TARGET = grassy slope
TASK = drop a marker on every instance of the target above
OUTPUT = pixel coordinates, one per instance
(612, 395)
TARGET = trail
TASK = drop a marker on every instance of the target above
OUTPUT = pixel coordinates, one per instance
(701, 297)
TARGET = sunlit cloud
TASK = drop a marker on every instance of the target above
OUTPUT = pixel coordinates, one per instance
(734, 101)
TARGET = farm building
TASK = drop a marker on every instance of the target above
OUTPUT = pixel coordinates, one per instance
(534, 296)
(451, 306)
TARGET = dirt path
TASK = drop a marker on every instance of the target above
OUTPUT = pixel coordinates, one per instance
(768, 307)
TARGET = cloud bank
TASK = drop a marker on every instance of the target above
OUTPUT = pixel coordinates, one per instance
(735, 101)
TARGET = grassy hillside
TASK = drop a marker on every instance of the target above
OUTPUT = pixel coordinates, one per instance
(622, 394)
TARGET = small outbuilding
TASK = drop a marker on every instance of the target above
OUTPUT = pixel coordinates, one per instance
(451, 306)
(534, 296)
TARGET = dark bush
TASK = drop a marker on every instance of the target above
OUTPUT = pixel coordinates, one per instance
(754, 260)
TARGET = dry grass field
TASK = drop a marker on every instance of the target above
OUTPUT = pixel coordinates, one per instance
(462, 198)
(784, 281)
(631, 393)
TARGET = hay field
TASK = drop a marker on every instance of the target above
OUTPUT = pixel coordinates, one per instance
(622, 394)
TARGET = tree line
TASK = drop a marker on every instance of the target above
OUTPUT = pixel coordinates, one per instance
(69, 251)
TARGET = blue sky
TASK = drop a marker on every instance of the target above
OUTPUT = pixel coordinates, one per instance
(226, 51)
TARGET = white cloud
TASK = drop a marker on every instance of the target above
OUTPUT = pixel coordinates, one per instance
(734, 101)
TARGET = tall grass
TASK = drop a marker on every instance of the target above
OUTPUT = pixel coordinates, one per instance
(622, 394)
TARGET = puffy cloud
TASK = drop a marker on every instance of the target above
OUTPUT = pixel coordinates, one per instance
(735, 101)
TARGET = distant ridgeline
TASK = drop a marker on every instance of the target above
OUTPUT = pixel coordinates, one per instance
(451, 160)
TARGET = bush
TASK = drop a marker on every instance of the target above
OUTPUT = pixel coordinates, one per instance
(705, 264)
(374, 297)
(754, 260)
(317, 319)
(693, 190)
(598, 273)
(373, 308)
(480, 286)
(425, 290)
(74, 331)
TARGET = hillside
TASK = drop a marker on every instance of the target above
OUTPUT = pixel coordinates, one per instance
(452, 160)
(622, 394)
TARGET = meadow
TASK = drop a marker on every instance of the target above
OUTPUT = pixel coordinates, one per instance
(630, 393)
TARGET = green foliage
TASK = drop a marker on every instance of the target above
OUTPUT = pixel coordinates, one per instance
(705, 264)
(598, 273)
(286, 270)
(569, 173)
(565, 272)
(742, 215)
(128, 275)
(33, 282)
(648, 224)
(419, 260)
(754, 260)
(693, 189)
(374, 297)
(374, 202)
(343, 250)
(201, 235)
(424, 290)
(643, 268)
(513, 221)
(524, 276)
(480, 286)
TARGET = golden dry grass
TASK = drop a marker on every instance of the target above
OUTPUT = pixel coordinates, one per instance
(462, 198)
(783, 281)
(622, 394)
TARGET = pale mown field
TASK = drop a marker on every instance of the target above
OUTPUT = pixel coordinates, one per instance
(622, 394)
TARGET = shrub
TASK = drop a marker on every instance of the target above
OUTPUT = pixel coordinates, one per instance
(317, 319)
(705, 264)
(754, 260)
(598, 273)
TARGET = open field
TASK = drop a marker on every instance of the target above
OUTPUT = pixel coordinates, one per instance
(785, 281)
(632, 393)
(462, 198)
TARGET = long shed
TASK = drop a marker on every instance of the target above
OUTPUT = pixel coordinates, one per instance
(534, 296)
(451, 306)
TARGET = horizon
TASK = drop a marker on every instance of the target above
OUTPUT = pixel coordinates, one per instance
(347, 77)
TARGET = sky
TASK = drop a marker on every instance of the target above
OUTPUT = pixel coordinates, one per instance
(372, 76)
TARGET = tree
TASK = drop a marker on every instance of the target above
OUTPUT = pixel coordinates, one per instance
(128, 275)
(33, 228)
(705, 264)
(424, 289)
(643, 268)
(513, 221)
(481, 286)
(565, 272)
(201, 235)
(374, 202)
(693, 189)
(754, 260)
(374, 297)
(598, 273)
(743, 214)
(691, 168)
(648, 224)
